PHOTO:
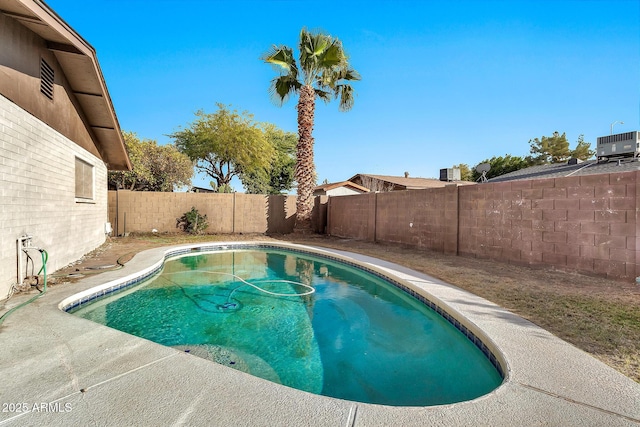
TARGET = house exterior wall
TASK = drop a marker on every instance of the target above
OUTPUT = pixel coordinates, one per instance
(20, 57)
(374, 184)
(37, 194)
(586, 223)
(342, 191)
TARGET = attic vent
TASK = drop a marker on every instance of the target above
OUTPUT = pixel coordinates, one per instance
(46, 79)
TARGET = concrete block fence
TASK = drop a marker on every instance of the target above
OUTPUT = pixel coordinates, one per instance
(587, 223)
(141, 211)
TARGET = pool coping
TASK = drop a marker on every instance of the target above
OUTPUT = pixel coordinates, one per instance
(58, 359)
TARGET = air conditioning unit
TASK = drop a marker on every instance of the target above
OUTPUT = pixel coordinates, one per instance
(619, 145)
(450, 174)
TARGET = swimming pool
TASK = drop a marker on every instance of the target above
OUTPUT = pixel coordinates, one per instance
(358, 337)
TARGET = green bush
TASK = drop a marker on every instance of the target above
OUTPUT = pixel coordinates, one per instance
(192, 222)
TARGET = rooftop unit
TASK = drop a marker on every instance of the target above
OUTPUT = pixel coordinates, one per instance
(450, 174)
(619, 145)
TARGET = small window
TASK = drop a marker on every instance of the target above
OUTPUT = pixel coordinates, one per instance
(84, 180)
(46, 79)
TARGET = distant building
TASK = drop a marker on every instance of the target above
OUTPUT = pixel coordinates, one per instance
(343, 188)
(201, 190)
(614, 153)
(399, 183)
(573, 167)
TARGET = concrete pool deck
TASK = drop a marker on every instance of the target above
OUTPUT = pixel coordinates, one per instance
(58, 369)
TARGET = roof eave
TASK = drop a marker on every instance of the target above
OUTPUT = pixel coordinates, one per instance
(79, 62)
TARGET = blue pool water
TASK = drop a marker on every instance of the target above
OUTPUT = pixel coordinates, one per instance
(357, 337)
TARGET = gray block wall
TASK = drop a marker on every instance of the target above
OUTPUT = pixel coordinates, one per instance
(37, 195)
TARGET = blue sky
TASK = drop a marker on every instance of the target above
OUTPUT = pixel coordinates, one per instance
(443, 82)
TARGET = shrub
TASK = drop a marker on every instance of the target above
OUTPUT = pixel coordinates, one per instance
(192, 222)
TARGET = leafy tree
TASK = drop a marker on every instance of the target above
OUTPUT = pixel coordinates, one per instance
(546, 150)
(279, 177)
(583, 149)
(501, 165)
(256, 182)
(555, 149)
(465, 172)
(225, 188)
(225, 144)
(155, 167)
(323, 71)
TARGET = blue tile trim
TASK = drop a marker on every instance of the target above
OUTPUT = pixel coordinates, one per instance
(118, 285)
(234, 246)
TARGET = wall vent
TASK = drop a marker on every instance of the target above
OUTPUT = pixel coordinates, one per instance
(46, 79)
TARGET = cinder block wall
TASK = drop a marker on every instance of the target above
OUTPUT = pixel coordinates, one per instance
(352, 216)
(141, 211)
(585, 224)
(318, 214)
(422, 218)
(37, 195)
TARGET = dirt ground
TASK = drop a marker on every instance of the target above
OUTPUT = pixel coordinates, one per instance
(598, 315)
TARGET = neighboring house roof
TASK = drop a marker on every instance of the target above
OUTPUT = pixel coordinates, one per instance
(78, 60)
(409, 183)
(333, 185)
(200, 190)
(559, 170)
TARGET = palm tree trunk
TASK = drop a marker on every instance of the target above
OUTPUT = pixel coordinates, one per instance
(305, 167)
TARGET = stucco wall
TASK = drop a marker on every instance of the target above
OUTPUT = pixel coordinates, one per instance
(585, 224)
(342, 191)
(37, 194)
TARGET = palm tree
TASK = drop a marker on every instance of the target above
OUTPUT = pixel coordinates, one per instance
(324, 72)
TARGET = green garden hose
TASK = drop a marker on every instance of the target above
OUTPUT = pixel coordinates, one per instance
(45, 258)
